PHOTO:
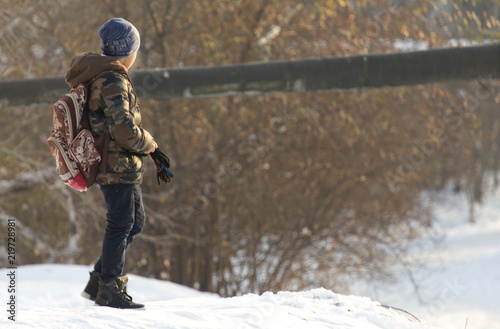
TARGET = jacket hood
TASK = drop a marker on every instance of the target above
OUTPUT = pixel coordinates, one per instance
(86, 66)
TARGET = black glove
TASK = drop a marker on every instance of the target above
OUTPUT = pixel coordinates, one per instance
(162, 163)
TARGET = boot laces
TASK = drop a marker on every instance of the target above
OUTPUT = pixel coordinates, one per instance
(126, 296)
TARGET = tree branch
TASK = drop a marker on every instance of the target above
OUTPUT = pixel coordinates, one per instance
(25, 181)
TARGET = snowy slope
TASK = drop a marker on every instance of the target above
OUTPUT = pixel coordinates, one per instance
(49, 298)
(459, 285)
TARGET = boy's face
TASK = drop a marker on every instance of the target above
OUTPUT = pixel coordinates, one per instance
(128, 61)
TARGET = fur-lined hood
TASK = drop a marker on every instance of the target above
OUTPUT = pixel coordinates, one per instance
(86, 66)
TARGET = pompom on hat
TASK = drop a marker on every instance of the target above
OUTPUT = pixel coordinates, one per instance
(119, 38)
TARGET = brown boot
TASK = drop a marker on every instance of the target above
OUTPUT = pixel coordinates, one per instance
(92, 288)
(110, 294)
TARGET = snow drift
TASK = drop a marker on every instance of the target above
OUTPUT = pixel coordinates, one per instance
(49, 297)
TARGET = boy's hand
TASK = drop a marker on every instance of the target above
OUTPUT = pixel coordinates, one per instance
(162, 163)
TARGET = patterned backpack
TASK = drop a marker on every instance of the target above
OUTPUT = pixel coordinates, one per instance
(75, 150)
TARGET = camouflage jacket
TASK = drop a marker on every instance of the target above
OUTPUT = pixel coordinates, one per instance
(114, 106)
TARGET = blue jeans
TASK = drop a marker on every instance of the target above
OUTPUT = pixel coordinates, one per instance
(125, 219)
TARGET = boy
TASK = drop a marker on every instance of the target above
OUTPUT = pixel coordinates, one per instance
(114, 108)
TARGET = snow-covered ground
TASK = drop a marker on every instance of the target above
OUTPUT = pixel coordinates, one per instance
(459, 287)
(49, 298)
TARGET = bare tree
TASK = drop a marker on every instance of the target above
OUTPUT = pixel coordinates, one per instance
(271, 191)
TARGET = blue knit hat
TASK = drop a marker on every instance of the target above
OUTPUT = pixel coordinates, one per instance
(119, 38)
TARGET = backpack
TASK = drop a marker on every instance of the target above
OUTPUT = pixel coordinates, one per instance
(77, 153)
